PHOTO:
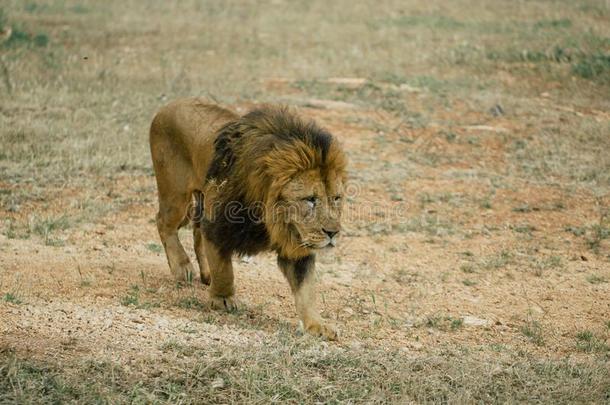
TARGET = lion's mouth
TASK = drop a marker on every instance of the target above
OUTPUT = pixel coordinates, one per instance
(327, 243)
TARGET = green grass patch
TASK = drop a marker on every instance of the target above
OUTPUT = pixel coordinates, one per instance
(452, 199)
(523, 208)
(132, 298)
(547, 263)
(12, 298)
(154, 247)
(19, 36)
(599, 232)
(13, 230)
(191, 303)
(595, 279)
(499, 260)
(46, 227)
(553, 24)
(523, 228)
(177, 347)
(468, 268)
(593, 67)
(444, 322)
(434, 21)
(534, 332)
(513, 55)
(586, 341)
(429, 224)
(576, 230)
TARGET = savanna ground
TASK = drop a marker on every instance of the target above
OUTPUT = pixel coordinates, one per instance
(475, 262)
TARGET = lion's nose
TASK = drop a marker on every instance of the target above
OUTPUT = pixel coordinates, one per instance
(330, 233)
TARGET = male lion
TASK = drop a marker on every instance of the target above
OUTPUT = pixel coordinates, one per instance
(267, 180)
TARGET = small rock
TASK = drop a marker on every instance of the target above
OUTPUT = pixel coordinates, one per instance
(410, 89)
(162, 324)
(472, 321)
(329, 104)
(416, 345)
(351, 82)
(410, 323)
(218, 383)
(486, 128)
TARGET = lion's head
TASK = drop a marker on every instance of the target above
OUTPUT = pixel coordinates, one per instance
(287, 175)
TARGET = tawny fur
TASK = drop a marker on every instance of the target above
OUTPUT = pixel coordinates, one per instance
(267, 162)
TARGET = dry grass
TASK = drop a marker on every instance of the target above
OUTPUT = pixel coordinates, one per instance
(310, 374)
(477, 134)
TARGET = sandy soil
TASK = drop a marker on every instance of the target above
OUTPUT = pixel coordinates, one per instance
(422, 264)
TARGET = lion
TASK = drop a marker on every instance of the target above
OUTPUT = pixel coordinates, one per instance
(264, 181)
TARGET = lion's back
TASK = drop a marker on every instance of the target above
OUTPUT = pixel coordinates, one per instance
(182, 134)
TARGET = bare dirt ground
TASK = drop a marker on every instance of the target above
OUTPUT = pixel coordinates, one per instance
(475, 264)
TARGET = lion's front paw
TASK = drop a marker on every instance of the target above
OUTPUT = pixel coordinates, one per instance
(227, 303)
(206, 279)
(184, 273)
(319, 329)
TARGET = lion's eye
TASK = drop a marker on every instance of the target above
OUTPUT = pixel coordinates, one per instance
(311, 201)
(337, 198)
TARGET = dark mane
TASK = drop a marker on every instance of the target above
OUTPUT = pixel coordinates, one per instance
(244, 150)
(224, 155)
(288, 127)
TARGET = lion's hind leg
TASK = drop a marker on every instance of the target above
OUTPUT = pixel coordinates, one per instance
(171, 215)
(204, 269)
